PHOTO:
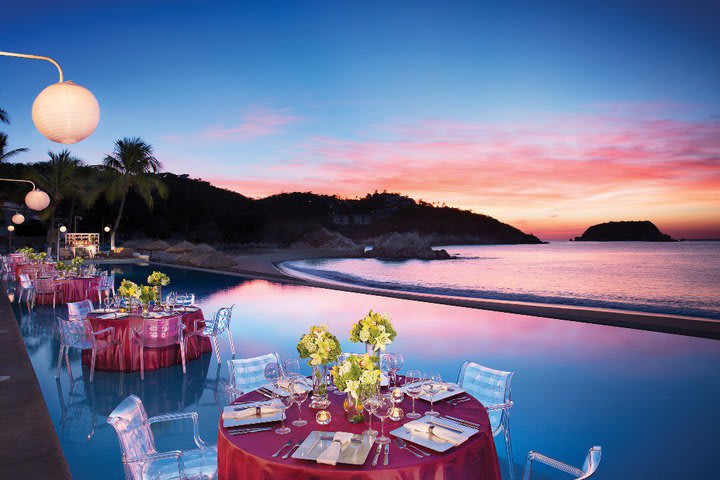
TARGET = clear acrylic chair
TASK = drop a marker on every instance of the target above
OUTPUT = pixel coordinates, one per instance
(248, 374)
(592, 461)
(26, 287)
(492, 388)
(159, 333)
(79, 334)
(219, 324)
(46, 286)
(103, 285)
(79, 310)
(140, 457)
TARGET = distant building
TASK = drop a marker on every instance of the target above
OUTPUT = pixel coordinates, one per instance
(352, 219)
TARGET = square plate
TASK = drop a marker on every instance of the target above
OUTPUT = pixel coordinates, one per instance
(99, 311)
(452, 390)
(251, 420)
(425, 440)
(186, 309)
(353, 454)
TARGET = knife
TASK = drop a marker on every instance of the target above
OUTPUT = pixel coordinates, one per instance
(377, 455)
(387, 452)
(293, 448)
(446, 427)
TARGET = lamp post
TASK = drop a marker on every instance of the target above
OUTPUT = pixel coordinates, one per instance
(106, 230)
(11, 229)
(63, 112)
(35, 199)
(61, 229)
(75, 219)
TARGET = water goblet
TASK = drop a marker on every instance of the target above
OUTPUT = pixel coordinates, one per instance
(413, 387)
(300, 387)
(292, 367)
(272, 373)
(367, 405)
(108, 302)
(386, 360)
(382, 407)
(432, 386)
(286, 399)
(396, 363)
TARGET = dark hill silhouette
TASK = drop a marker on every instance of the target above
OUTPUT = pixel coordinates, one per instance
(630, 231)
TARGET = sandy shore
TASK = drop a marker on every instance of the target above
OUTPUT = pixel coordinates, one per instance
(264, 265)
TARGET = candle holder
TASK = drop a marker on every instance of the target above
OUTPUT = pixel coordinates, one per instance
(323, 417)
(397, 414)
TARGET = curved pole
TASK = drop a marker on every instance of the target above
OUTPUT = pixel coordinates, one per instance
(16, 180)
(35, 57)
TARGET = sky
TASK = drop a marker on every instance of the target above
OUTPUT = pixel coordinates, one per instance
(548, 115)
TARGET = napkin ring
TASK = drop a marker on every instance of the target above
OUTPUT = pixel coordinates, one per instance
(258, 411)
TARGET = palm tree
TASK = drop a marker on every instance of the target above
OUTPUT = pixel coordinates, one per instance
(4, 118)
(132, 166)
(7, 154)
(61, 179)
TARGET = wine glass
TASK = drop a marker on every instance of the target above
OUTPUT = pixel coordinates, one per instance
(108, 303)
(171, 300)
(432, 386)
(272, 373)
(292, 367)
(286, 399)
(382, 407)
(300, 387)
(367, 405)
(395, 362)
(413, 387)
(385, 362)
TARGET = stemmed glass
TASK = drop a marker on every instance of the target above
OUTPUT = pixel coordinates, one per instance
(286, 398)
(292, 367)
(432, 386)
(108, 303)
(395, 362)
(382, 407)
(368, 406)
(272, 373)
(171, 300)
(385, 362)
(413, 387)
(300, 387)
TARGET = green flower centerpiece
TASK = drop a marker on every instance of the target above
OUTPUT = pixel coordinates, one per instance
(158, 280)
(358, 376)
(62, 268)
(322, 348)
(36, 257)
(147, 294)
(129, 291)
(75, 264)
(375, 330)
(25, 251)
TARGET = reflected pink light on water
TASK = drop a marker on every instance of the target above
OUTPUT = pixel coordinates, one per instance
(269, 314)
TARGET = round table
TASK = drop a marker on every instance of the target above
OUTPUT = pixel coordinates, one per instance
(248, 457)
(112, 359)
(74, 289)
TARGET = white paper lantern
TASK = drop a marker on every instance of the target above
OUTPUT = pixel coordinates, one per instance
(66, 113)
(37, 200)
(107, 229)
(63, 229)
(18, 218)
(11, 228)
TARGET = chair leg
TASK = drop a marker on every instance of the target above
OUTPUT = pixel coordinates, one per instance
(60, 360)
(216, 345)
(182, 356)
(53, 300)
(508, 447)
(142, 363)
(232, 344)
(67, 363)
(92, 365)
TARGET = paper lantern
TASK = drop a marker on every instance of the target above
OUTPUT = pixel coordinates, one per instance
(66, 113)
(63, 229)
(37, 200)
(11, 228)
(107, 229)
(18, 218)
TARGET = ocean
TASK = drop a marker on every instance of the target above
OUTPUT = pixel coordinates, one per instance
(680, 278)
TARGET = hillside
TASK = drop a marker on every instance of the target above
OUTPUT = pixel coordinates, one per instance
(631, 231)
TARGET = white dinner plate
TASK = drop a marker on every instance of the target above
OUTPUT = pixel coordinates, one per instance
(265, 418)
(354, 453)
(433, 443)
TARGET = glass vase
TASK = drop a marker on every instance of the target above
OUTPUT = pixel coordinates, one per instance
(320, 399)
(353, 410)
(370, 349)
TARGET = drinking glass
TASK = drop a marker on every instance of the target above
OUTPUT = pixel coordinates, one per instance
(396, 363)
(286, 400)
(367, 405)
(386, 359)
(292, 367)
(300, 387)
(382, 407)
(272, 373)
(108, 302)
(413, 387)
(172, 300)
(432, 386)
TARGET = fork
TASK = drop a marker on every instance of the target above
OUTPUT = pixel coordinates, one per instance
(411, 448)
(403, 446)
(459, 400)
(288, 444)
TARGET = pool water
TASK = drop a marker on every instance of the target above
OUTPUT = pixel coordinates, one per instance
(647, 398)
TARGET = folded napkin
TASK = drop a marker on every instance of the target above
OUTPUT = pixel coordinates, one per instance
(331, 454)
(250, 412)
(438, 432)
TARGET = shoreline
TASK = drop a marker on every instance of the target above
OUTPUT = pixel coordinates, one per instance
(265, 266)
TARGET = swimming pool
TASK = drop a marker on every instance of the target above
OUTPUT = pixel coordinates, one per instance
(648, 398)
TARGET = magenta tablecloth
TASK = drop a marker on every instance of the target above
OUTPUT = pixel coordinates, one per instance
(248, 457)
(112, 360)
(71, 290)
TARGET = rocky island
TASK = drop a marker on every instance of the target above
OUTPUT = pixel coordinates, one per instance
(626, 231)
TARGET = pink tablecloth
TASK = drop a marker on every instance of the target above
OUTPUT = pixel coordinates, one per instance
(73, 290)
(112, 360)
(248, 457)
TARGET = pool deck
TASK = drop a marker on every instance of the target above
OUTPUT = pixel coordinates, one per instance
(30, 446)
(264, 266)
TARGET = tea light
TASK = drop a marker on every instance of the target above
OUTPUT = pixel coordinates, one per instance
(323, 417)
(397, 414)
(398, 395)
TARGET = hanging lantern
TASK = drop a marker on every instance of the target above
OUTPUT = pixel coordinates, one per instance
(37, 200)
(66, 112)
(18, 218)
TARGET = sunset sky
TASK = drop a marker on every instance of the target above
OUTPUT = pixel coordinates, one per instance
(550, 116)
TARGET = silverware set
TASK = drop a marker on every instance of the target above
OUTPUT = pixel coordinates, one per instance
(414, 449)
(244, 430)
(453, 401)
(293, 447)
(461, 421)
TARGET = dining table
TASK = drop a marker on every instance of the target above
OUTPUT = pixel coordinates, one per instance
(126, 356)
(250, 456)
(72, 289)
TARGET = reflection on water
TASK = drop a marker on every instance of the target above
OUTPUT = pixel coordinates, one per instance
(576, 384)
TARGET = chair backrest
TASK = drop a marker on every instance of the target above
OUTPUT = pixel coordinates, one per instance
(107, 282)
(48, 268)
(134, 433)
(161, 332)
(45, 285)
(247, 374)
(592, 461)
(186, 300)
(79, 310)
(25, 281)
(489, 386)
(222, 320)
(73, 332)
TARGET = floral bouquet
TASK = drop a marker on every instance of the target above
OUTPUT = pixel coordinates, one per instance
(36, 257)
(358, 376)
(62, 267)
(128, 289)
(322, 348)
(374, 330)
(76, 263)
(25, 250)
(147, 294)
(158, 279)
